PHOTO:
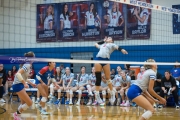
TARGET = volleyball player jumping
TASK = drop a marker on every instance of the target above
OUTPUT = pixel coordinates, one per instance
(138, 91)
(105, 47)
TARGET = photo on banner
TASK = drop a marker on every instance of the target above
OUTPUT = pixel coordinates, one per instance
(90, 20)
(138, 22)
(113, 20)
(68, 22)
(46, 22)
(176, 21)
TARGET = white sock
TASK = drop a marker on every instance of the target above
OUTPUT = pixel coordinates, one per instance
(127, 101)
(90, 100)
(67, 99)
(43, 108)
(119, 99)
(97, 92)
(123, 101)
(70, 100)
(79, 100)
(37, 99)
(104, 99)
(90, 92)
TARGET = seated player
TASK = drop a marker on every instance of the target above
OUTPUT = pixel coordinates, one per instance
(68, 79)
(125, 84)
(116, 84)
(91, 85)
(82, 82)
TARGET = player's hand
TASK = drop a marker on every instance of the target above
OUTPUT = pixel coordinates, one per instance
(57, 86)
(135, 12)
(33, 85)
(162, 101)
(124, 51)
(26, 85)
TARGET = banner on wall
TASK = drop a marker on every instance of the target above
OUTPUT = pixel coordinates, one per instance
(138, 22)
(176, 21)
(46, 22)
(91, 21)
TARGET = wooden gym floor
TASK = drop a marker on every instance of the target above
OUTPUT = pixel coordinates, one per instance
(64, 112)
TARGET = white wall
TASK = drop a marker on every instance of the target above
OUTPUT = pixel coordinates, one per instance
(18, 26)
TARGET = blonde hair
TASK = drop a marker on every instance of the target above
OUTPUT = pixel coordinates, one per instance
(146, 66)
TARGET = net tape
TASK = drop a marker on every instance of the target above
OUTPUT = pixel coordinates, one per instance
(149, 6)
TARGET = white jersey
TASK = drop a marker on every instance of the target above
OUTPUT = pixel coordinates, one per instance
(66, 22)
(144, 12)
(47, 20)
(83, 79)
(92, 78)
(90, 18)
(66, 78)
(114, 18)
(103, 84)
(106, 49)
(126, 81)
(27, 70)
(144, 83)
(116, 80)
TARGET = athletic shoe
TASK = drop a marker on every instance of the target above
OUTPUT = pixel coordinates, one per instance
(102, 104)
(50, 102)
(155, 106)
(122, 104)
(160, 106)
(95, 103)
(99, 100)
(90, 95)
(50, 96)
(126, 104)
(118, 103)
(67, 102)
(44, 112)
(2, 101)
(70, 103)
(37, 101)
(177, 106)
(113, 98)
(16, 116)
(78, 103)
(58, 101)
(89, 103)
(38, 106)
(134, 104)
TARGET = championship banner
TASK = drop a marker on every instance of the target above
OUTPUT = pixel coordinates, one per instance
(68, 22)
(90, 20)
(138, 22)
(113, 20)
(46, 23)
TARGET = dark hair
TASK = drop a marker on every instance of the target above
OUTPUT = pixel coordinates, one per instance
(15, 69)
(63, 11)
(175, 66)
(168, 71)
(94, 9)
(29, 54)
(48, 64)
(8, 73)
(127, 66)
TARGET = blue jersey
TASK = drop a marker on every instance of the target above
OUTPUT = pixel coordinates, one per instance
(175, 72)
(45, 75)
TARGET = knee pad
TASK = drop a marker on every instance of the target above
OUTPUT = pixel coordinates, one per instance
(51, 86)
(109, 81)
(103, 92)
(19, 106)
(98, 78)
(88, 86)
(59, 90)
(147, 115)
(68, 90)
(108, 91)
(44, 99)
(25, 106)
(79, 91)
(114, 89)
(71, 92)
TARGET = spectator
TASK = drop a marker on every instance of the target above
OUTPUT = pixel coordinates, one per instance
(2, 82)
(32, 73)
(113, 73)
(175, 72)
(157, 85)
(140, 74)
(127, 68)
(62, 69)
(132, 74)
(168, 86)
(9, 81)
(14, 70)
